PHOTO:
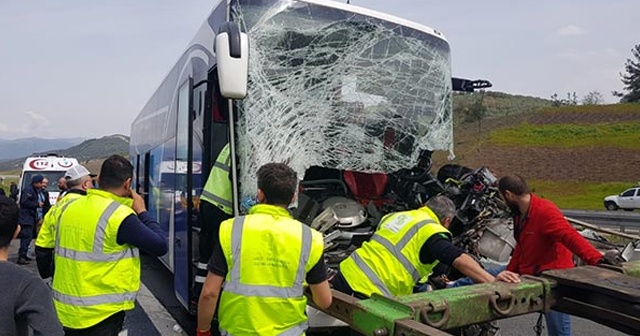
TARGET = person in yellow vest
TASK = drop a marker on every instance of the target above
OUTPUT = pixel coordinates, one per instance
(97, 261)
(77, 180)
(216, 206)
(404, 249)
(264, 259)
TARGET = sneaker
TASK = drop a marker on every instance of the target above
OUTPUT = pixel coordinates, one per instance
(22, 261)
(28, 258)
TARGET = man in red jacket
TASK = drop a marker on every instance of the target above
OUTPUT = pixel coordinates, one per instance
(545, 241)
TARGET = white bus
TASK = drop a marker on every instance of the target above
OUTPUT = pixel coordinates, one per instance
(329, 87)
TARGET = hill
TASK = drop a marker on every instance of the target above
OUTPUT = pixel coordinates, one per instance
(493, 104)
(562, 150)
(18, 148)
(88, 151)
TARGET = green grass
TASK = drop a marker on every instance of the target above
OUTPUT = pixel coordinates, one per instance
(619, 135)
(577, 194)
(628, 108)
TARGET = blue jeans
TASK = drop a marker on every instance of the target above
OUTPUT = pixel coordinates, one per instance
(495, 270)
(558, 324)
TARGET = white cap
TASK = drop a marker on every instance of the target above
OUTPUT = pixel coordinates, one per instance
(77, 172)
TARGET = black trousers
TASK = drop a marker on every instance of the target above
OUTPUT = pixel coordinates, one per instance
(111, 326)
(210, 219)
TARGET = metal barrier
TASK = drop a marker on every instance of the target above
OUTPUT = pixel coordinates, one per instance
(621, 220)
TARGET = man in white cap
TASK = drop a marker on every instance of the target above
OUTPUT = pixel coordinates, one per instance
(78, 179)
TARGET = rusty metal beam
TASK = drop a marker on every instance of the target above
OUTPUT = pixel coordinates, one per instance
(457, 307)
(602, 295)
(609, 296)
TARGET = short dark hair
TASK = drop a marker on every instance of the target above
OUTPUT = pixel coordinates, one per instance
(8, 220)
(115, 171)
(442, 206)
(513, 183)
(278, 182)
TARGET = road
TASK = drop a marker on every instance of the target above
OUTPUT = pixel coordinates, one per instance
(149, 318)
(157, 311)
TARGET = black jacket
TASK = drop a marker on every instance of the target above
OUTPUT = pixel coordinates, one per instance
(28, 206)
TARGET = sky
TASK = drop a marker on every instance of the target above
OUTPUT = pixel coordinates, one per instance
(77, 68)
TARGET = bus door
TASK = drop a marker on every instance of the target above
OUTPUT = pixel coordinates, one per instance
(182, 272)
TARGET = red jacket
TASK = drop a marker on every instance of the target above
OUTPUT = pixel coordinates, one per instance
(546, 240)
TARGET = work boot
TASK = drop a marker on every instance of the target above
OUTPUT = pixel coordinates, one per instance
(22, 261)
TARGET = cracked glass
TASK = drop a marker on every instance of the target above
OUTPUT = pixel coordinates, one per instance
(337, 89)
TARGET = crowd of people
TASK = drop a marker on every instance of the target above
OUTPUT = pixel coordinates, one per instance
(253, 268)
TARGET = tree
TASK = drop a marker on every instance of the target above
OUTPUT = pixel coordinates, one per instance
(593, 98)
(572, 99)
(631, 78)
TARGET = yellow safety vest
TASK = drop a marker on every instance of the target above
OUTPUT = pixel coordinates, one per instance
(95, 276)
(268, 254)
(47, 235)
(389, 264)
(217, 190)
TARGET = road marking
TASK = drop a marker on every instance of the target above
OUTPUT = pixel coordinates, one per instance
(162, 320)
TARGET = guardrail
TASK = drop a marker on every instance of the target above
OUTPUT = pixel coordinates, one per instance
(620, 220)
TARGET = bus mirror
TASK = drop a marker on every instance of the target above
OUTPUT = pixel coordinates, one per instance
(232, 58)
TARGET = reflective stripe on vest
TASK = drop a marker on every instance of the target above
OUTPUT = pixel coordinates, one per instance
(224, 166)
(97, 255)
(217, 189)
(217, 199)
(296, 330)
(234, 285)
(396, 250)
(59, 219)
(373, 277)
(93, 300)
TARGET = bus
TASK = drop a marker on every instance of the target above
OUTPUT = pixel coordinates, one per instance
(51, 166)
(339, 92)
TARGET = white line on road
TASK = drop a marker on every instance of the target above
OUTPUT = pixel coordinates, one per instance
(162, 320)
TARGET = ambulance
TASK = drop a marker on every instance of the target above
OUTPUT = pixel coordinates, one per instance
(51, 166)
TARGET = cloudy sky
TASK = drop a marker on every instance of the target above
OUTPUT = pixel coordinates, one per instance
(73, 68)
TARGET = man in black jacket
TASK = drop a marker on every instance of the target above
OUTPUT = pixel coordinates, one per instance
(32, 204)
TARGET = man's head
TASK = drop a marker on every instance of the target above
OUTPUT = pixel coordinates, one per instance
(62, 183)
(443, 207)
(115, 175)
(45, 183)
(37, 181)
(277, 184)
(78, 177)
(512, 188)
(8, 221)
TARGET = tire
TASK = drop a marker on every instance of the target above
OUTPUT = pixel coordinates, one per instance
(611, 206)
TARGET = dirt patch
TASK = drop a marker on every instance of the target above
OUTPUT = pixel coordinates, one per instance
(593, 164)
(544, 163)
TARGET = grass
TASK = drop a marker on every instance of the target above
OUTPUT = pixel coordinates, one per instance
(578, 195)
(628, 108)
(619, 135)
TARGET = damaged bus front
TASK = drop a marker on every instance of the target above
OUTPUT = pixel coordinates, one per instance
(339, 92)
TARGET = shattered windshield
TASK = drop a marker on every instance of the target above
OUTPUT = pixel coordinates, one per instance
(336, 89)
